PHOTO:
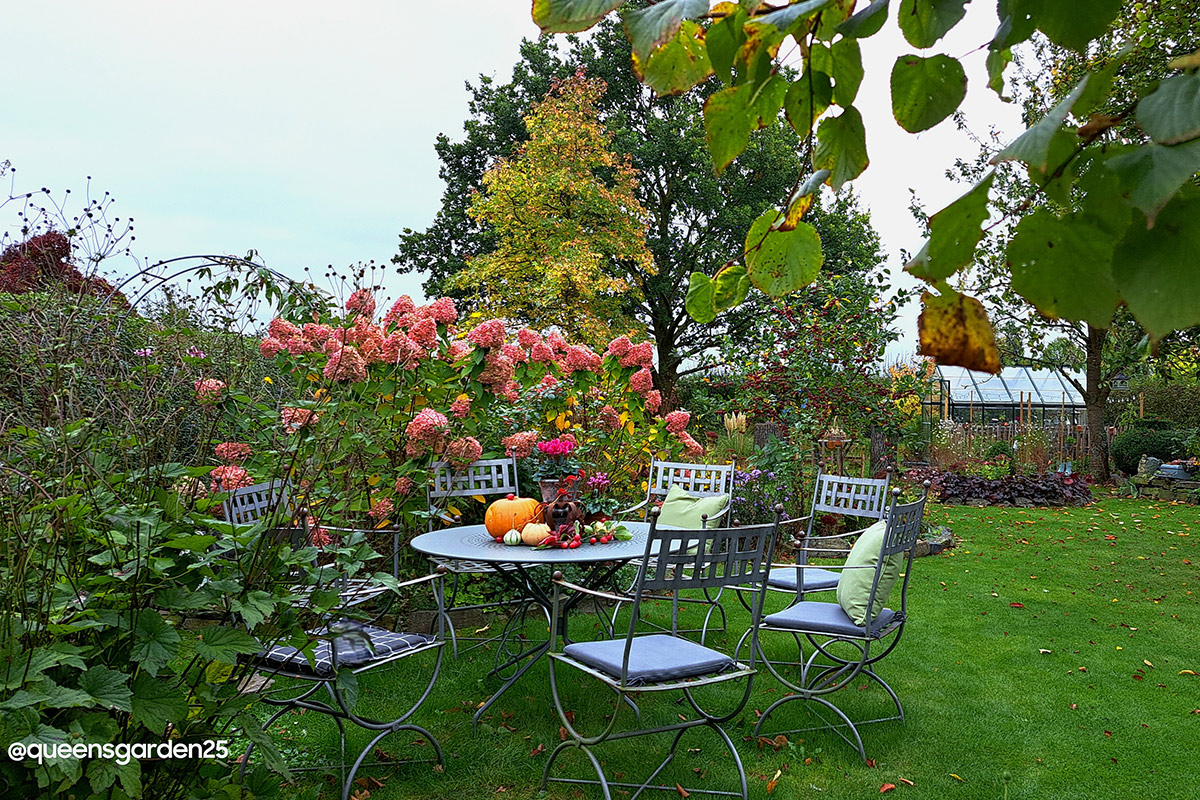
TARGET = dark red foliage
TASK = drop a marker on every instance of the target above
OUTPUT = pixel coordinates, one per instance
(43, 261)
(1044, 489)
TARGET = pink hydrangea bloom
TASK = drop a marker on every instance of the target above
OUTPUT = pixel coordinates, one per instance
(489, 334)
(580, 359)
(691, 448)
(514, 353)
(512, 391)
(232, 452)
(653, 401)
(228, 477)
(677, 421)
(642, 381)
(270, 347)
(443, 311)
(424, 333)
(317, 334)
(520, 444)
(640, 355)
(362, 301)
(456, 351)
(318, 536)
(403, 486)
(426, 431)
(618, 347)
(460, 407)
(399, 349)
(346, 364)
(294, 419)
(208, 391)
(557, 341)
(528, 337)
(399, 308)
(298, 346)
(380, 508)
(541, 353)
(609, 418)
(497, 371)
(548, 381)
(282, 330)
(464, 451)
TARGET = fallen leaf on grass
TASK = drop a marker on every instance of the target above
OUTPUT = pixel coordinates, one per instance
(537, 751)
(907, 781)
(870, 762)
(682, 792)
(887, 787)
(771, 784)
(1186, 672)
(956, 777)
(1137, 677)
(1017, 605)
(562, 733)
(1043, 651)
(1147, 663)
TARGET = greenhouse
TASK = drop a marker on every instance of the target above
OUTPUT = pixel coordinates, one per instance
(1016, 395)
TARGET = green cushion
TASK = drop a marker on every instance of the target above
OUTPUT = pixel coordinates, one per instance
(854, 588)
(682, 510)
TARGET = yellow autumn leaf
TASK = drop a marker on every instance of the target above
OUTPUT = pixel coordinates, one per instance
(373, 480)
(313, 377)
(478, 498)
(1186, 672)
(454, 511)
(956, 777)
(629, 426)
(549, 415)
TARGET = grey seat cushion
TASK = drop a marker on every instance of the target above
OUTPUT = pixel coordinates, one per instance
(657, 658)
(828, 618)
(815, 579)
(357, 645)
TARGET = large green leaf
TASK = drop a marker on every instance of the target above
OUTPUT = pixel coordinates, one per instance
(780, 262)
(699, 305)
(997, 61)
(157, 703)
(1033, 146)
(1064, 267)
(1157, 271)
(954, 232)
(807, 99)
(1071, 23)
(218, 643)
(787, 18)
(678, 65)
(866, 22)
(842, 147)
(1155, 173)
(732, 113)
(655, 25)
(847, 71)
(154, 641)
(926, 90)
(1016, 23)
(923, 22)
(570, 16)
(108, 687)
(723, 40)
(732, 284)
(1171, 113)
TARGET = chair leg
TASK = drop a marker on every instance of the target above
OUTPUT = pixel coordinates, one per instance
(379, 737)
(846, 722)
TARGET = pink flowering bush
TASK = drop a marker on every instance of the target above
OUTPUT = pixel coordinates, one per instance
(209, 391)
(232, 452)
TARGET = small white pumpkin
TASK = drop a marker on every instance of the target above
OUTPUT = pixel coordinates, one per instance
(512, 537)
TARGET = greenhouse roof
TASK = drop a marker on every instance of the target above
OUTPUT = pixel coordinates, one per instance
(1046, 386)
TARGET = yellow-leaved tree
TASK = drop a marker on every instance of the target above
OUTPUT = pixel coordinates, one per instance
(571, 232)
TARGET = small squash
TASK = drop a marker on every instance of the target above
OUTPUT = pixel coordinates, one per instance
(534, 532)
(510, 513)
(512, 537)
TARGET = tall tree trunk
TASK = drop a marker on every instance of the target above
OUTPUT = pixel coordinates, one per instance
(668, 375)
(1095, 400)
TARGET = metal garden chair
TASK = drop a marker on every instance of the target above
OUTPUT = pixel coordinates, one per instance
(843, 649)
(484, 478)
(698, 480)
(324, 679)
(640, 664)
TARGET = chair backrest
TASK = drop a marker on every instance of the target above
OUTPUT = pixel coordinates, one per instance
(698, 480)
(251, 503)
(854, 497)
(489, 476)
(900, 536)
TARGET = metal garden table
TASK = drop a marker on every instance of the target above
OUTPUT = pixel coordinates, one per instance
(515, 564)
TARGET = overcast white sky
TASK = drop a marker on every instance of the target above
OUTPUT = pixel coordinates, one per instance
(305, 130)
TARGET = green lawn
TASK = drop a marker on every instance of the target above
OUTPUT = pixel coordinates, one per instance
(1047, 646)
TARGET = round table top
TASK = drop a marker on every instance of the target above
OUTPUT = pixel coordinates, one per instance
(474, 543)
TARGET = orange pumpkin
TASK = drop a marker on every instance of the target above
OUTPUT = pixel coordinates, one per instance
(508, 513)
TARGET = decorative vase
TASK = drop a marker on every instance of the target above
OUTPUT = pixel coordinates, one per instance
(550, 488)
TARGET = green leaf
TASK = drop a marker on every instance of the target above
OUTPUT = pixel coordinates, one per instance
(954, 232)
(732, 284)
(1157, 272)
(1156, 172)
(194, 542)
(570, 16)
(157, 703)
(154, 641)
(847, 71)
(1171, 113)
(787, 18)
(108, 687)
(219, 643)
(926, 90)
(1033, 146)
(954, 329)
(807, 99)
(732, 113)
(1064, 267)
(254, 607)
(923, 22)
(1070, 23)
(780, 262)
(997, 62)
(678, 65)
(655, 25)
(723, 40)
(1016, 23)
(802, 200)
(842, 147)
(866, 22)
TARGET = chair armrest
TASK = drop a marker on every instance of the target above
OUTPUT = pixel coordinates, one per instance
(593, 592)
(625, 511)
(439, 573)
